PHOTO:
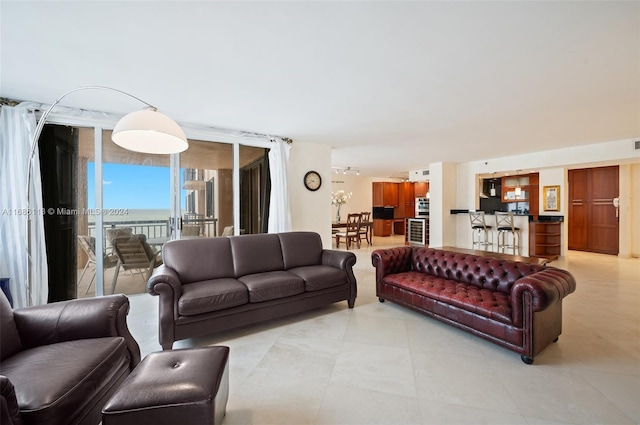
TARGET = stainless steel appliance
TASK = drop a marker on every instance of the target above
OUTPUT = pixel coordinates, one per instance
(422, 207)
(416, 231)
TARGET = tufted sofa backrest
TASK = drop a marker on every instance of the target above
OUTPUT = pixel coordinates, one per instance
(483, 272)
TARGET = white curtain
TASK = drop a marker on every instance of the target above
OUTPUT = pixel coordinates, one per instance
(279, 208)
(17, 126)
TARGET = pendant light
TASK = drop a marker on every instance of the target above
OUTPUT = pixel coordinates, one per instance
(518, 188)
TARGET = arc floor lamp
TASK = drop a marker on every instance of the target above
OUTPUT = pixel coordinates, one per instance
(146, 131)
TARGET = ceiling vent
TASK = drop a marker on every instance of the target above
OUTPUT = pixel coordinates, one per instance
(426, 172)
(637, 143)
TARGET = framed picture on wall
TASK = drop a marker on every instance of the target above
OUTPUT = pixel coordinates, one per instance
(551, 198)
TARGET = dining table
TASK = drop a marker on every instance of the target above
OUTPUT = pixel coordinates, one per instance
(343, 224)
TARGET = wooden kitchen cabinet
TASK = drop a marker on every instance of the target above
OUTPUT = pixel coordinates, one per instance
(406, 201)
(420, 189)
(378, 195)
(391, 192)
(530, 191)
(385, 194)
(509, 185)
(545, 239)
(382, 227)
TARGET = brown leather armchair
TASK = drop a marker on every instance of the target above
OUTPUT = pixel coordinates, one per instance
(60, 362)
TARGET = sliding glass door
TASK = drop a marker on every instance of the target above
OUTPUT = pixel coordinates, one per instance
(205, 190)
(136, 202)
(130, 205)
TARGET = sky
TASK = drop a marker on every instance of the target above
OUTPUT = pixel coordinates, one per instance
(131, 186)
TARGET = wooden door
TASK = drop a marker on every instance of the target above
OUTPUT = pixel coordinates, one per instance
(578, 194)
(593, 221)
(58, 146)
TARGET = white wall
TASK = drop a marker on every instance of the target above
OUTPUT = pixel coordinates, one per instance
(310, 211)
(629, 211)
(360, 188)
(634, 209)
(443, 187)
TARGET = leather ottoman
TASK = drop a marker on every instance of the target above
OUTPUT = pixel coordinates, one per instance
(173, 387)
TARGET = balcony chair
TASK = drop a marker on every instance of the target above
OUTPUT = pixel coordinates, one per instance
(190, 230)
(88, 245)
(117, 232)
(134, 253)
(227, 231)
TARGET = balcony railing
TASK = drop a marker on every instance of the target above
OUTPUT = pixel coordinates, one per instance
(159, 229)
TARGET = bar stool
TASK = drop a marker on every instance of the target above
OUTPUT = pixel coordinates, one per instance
(505, 225)
(482, 234)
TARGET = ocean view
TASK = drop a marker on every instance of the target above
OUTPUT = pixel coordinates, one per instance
(128, 214)
(154, 223)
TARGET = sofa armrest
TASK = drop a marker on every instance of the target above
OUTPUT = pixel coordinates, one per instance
(164, 275)
(77, 319)
(345, 261)
(9, 409)
(165, 283)
(544, 288)
(389, 261)
(339, 259)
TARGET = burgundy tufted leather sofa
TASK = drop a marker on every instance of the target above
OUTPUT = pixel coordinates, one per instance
(208, 285)
(513, 304)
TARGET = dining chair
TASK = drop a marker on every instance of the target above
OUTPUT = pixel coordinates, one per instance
(365, 227)
(352, 233)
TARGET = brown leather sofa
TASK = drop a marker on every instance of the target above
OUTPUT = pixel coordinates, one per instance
(513, 304)
(61, 362)
(208, 285)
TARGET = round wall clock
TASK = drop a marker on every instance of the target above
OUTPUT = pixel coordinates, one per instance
(312, 180)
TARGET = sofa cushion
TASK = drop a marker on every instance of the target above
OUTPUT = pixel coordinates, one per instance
(54, 382)
(300, 249)
(11, 343)
(211, 295)
(320, 277)
(485, 302)
(272, 285)
(256, 253)
(199, 259)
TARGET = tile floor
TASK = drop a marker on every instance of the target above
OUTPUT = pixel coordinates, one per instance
(383, 364)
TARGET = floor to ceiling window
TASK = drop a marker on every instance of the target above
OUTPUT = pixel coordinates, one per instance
(145, 200)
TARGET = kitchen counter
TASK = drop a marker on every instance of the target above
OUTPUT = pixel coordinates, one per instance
(464, 231)
(488, 213)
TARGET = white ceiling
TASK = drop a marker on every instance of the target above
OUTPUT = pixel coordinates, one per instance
(392, 86)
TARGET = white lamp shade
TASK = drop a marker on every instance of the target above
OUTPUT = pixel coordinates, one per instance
(149, 131)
